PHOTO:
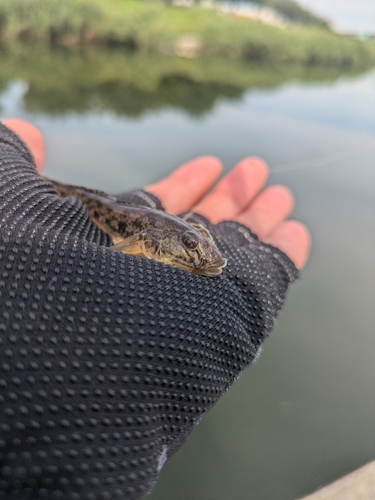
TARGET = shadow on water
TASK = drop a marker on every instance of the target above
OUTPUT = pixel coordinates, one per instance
(132, 84)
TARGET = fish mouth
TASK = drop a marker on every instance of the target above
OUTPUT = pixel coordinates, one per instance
(211, 271)
(202, 267)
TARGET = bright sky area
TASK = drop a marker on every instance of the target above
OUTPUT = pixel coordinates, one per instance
(347, 15)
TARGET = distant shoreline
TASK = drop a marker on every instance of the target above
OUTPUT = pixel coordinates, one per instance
(152, 27)
(60, 80)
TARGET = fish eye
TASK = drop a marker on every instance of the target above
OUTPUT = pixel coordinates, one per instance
(190, 240)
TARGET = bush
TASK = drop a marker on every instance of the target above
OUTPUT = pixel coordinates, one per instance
(152, 27)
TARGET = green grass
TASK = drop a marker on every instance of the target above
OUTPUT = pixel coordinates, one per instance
(152, 27)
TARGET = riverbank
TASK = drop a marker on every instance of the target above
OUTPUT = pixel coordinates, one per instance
(152, 27)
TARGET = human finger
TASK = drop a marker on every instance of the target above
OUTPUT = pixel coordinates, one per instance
(32, 137)
(268, 210)
(293, 238)
(235, 191)
(186, 185)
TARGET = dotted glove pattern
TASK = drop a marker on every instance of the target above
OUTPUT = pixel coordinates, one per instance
(108, 361)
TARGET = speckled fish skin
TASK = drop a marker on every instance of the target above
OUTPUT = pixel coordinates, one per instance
(150, 233)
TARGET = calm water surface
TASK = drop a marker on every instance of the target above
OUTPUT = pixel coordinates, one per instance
(304, 414)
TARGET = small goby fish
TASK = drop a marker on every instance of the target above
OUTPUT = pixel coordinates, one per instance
(150, 233)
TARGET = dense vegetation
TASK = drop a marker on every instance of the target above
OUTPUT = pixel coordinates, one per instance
(152, 27)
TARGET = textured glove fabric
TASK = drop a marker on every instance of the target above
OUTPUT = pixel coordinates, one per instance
(107, 361)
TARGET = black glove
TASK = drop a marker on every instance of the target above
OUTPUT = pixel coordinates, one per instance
(109, 360)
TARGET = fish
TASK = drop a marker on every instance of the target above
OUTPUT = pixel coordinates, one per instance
(150, 233)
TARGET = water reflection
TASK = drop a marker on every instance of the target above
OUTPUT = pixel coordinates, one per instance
(131, 84)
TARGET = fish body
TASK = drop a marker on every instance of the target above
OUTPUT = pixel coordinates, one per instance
(150, 233)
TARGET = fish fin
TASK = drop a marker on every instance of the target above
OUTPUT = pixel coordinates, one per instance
(186, 216)
(129, 245)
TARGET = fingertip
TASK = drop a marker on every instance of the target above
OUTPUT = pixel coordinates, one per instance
(235, 191)
(255, 163)
(186, 185)
(31, 136)
(303, 235)
(294, 239)
(279, 195)
(268, 210)
(207, 162)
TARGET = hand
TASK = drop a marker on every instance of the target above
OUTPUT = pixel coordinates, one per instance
(237, 196)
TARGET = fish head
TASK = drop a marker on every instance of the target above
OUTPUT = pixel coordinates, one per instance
(189, 248)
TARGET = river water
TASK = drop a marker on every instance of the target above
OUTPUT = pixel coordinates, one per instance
(304, 414)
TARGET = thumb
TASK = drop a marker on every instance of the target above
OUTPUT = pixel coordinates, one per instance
(32, 137)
